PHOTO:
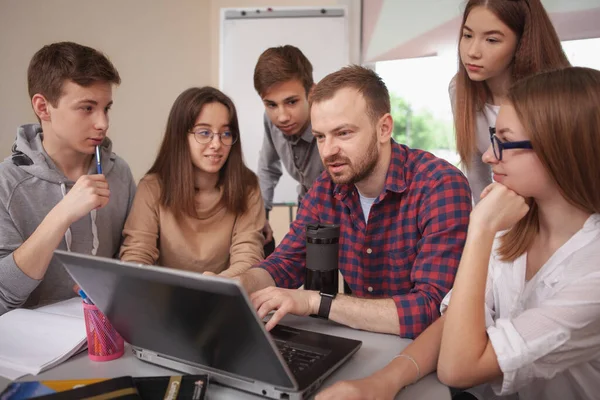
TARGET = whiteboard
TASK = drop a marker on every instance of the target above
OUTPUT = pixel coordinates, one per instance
(320, 33)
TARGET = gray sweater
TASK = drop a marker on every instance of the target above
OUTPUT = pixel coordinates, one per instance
(30, 186)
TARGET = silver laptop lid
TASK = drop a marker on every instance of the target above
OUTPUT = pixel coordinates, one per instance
(204, 320)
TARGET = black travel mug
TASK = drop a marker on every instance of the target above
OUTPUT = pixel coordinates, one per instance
(322, 246)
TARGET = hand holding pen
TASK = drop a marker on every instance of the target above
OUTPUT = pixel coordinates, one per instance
(90, 192)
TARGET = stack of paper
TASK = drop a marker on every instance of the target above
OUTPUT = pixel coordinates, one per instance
(35, 340)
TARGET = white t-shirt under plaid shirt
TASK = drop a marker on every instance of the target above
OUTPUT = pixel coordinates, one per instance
(546, 331)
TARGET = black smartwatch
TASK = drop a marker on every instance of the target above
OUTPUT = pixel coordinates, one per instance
(325, 306)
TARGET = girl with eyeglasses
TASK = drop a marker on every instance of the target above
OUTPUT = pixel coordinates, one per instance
(501, 41)
(199, 207)
(523, 318)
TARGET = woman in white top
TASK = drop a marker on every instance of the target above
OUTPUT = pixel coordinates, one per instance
(501, 41)
(524, 314)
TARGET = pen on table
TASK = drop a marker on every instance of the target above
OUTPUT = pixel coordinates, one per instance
(98, 165)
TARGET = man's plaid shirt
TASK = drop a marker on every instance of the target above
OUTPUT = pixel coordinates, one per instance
(409, 250)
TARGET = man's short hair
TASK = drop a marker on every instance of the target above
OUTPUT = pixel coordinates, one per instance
(364, 80)
(281, 64)
(56, 63)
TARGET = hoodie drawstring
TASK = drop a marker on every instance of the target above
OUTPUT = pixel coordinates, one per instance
(63, 190)
(95, 241)
(68, 235)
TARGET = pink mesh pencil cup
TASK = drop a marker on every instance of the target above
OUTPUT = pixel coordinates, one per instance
(104, 343)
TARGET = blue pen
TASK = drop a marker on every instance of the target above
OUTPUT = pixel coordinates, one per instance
(86, 299)
(98, 165)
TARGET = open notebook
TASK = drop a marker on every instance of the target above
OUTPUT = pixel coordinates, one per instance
(35, 340)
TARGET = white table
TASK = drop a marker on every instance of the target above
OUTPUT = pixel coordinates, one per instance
(376, 351)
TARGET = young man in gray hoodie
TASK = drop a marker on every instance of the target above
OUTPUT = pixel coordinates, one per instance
(51, 195)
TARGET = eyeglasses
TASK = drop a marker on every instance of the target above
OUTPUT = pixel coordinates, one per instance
(498, 145)
(204, 136)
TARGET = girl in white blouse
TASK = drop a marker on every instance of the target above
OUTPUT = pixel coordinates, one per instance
(524, 316)
(500, 42)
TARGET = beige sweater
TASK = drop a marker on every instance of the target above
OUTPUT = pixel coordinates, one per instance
(216, 240)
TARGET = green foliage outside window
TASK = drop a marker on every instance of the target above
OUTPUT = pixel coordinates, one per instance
(420, 130)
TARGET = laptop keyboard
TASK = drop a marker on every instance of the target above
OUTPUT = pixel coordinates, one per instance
(299, 360)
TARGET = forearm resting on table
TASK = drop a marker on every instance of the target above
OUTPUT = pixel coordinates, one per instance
(425, 350)
(375, 315)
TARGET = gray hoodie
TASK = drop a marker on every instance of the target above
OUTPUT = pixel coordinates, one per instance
(30, 186)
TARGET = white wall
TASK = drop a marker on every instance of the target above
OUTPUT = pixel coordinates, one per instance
(160, 48)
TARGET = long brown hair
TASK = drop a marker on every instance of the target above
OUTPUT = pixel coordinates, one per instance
(538, 49)
(173, 164)
(560, 111)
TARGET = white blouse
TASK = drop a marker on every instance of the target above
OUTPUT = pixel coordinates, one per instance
(546, 332)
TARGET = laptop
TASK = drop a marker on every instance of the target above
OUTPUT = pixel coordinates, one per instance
(205, 325)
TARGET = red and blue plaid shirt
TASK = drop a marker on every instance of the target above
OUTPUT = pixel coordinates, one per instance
(411, 246)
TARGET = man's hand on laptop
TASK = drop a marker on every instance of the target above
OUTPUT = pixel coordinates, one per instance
(284, 301)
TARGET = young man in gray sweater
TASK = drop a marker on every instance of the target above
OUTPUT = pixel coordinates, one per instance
(52, 194)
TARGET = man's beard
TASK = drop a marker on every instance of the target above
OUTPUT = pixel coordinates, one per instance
(363, 169)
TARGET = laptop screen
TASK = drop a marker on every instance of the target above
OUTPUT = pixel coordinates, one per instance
(202, 320)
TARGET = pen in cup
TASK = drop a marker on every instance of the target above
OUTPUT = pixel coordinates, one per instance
(86, 299)
(98, 164)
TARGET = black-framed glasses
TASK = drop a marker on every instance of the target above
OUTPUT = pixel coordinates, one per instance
(499, 146)
(204, 136)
